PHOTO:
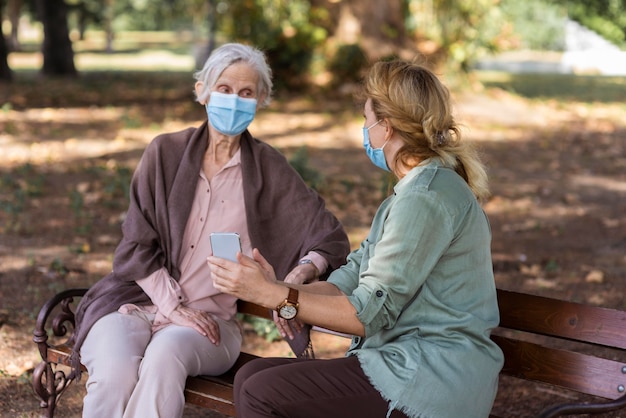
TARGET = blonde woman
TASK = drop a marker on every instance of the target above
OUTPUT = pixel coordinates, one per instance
(418, 296)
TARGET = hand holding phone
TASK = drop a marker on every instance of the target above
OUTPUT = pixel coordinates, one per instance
(225, 245)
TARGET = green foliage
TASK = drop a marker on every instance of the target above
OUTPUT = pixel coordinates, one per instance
(300, 162)
(282, 29)
(606, 17)
(111, 185)
(16, 190)
(347, 64)
(117, 186)
(606, 29)
(552, 266)
(464, 30)
(538, 24)
(263, 327)
(58, 266)
(81, 216)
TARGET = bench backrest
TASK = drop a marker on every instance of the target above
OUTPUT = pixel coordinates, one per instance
(545, 340)
(552, 341)
(249, 308)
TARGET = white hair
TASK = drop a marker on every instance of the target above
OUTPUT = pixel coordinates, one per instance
(227, 55)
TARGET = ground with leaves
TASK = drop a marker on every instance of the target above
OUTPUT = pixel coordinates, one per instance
(557, 169)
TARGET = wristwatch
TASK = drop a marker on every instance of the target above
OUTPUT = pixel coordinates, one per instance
(288, 309)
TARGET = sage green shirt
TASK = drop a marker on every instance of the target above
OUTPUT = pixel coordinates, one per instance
(422, 284)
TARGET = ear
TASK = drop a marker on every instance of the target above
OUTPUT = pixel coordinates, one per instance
(199, 87)
(259, 101)
(388, 129)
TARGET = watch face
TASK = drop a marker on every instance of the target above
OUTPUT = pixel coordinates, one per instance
(288, 312)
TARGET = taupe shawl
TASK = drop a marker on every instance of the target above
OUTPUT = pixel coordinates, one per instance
(286, 220)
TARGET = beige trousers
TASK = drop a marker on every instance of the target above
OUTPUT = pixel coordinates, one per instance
(135, 373)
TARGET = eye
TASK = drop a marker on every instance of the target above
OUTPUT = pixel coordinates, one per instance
(246, 93)
(223, 89)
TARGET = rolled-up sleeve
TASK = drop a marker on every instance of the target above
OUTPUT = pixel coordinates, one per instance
(370, 308)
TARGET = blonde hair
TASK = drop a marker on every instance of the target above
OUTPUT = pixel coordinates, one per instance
(419, 108)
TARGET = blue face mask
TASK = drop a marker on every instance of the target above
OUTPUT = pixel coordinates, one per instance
(377, 155)
(229, 113)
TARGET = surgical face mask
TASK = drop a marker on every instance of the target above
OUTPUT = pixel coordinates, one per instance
(377, 155)
(229, 113)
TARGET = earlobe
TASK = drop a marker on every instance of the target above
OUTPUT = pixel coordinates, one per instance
(386, 124)
(388, 129)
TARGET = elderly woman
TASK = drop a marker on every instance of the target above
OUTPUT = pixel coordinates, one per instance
(418, 295)
(157, 318)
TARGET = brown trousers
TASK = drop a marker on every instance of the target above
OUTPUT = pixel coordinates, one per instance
(299, 388)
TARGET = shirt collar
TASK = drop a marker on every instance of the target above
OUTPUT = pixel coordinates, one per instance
(430, 163)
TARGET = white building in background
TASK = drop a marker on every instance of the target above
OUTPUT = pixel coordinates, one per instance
(586, 52)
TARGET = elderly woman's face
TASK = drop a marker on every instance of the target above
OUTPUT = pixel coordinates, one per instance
(239, 79)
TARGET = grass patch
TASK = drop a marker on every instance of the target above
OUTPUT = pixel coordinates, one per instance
(562, 87)
(98, 88)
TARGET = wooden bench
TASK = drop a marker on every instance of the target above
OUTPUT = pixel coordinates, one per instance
(536, 335)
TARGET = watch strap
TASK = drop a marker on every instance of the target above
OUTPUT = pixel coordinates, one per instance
(292, 296)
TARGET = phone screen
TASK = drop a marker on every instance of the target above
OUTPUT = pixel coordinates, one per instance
(225, 245)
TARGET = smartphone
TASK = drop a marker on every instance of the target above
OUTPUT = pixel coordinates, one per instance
(225, 245)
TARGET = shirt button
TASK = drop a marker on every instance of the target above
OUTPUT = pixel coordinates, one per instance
(379, 293)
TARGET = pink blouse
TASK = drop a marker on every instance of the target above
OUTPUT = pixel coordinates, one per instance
(218, 206)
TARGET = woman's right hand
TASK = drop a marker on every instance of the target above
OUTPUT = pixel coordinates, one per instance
(201, 321)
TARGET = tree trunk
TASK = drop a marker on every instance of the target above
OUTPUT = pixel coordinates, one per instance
(203, 52)
(377, 26)
(13, 11)
(58, 55)
(108, 25)
(5, 71)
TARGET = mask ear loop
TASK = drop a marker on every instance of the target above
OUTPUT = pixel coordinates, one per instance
(374, 124)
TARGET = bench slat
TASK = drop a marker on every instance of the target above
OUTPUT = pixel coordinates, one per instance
(567, 369)
(216, 392)
(210, 394)
(563, 319)
(253, 309)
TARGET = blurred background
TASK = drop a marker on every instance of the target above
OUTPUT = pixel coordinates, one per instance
(538, 85)
(325, 42)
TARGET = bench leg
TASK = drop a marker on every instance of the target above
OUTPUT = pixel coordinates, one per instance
(49, 384)
(580, 409)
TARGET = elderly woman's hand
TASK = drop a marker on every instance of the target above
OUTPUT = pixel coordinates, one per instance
(303, 273)
(201, 321)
